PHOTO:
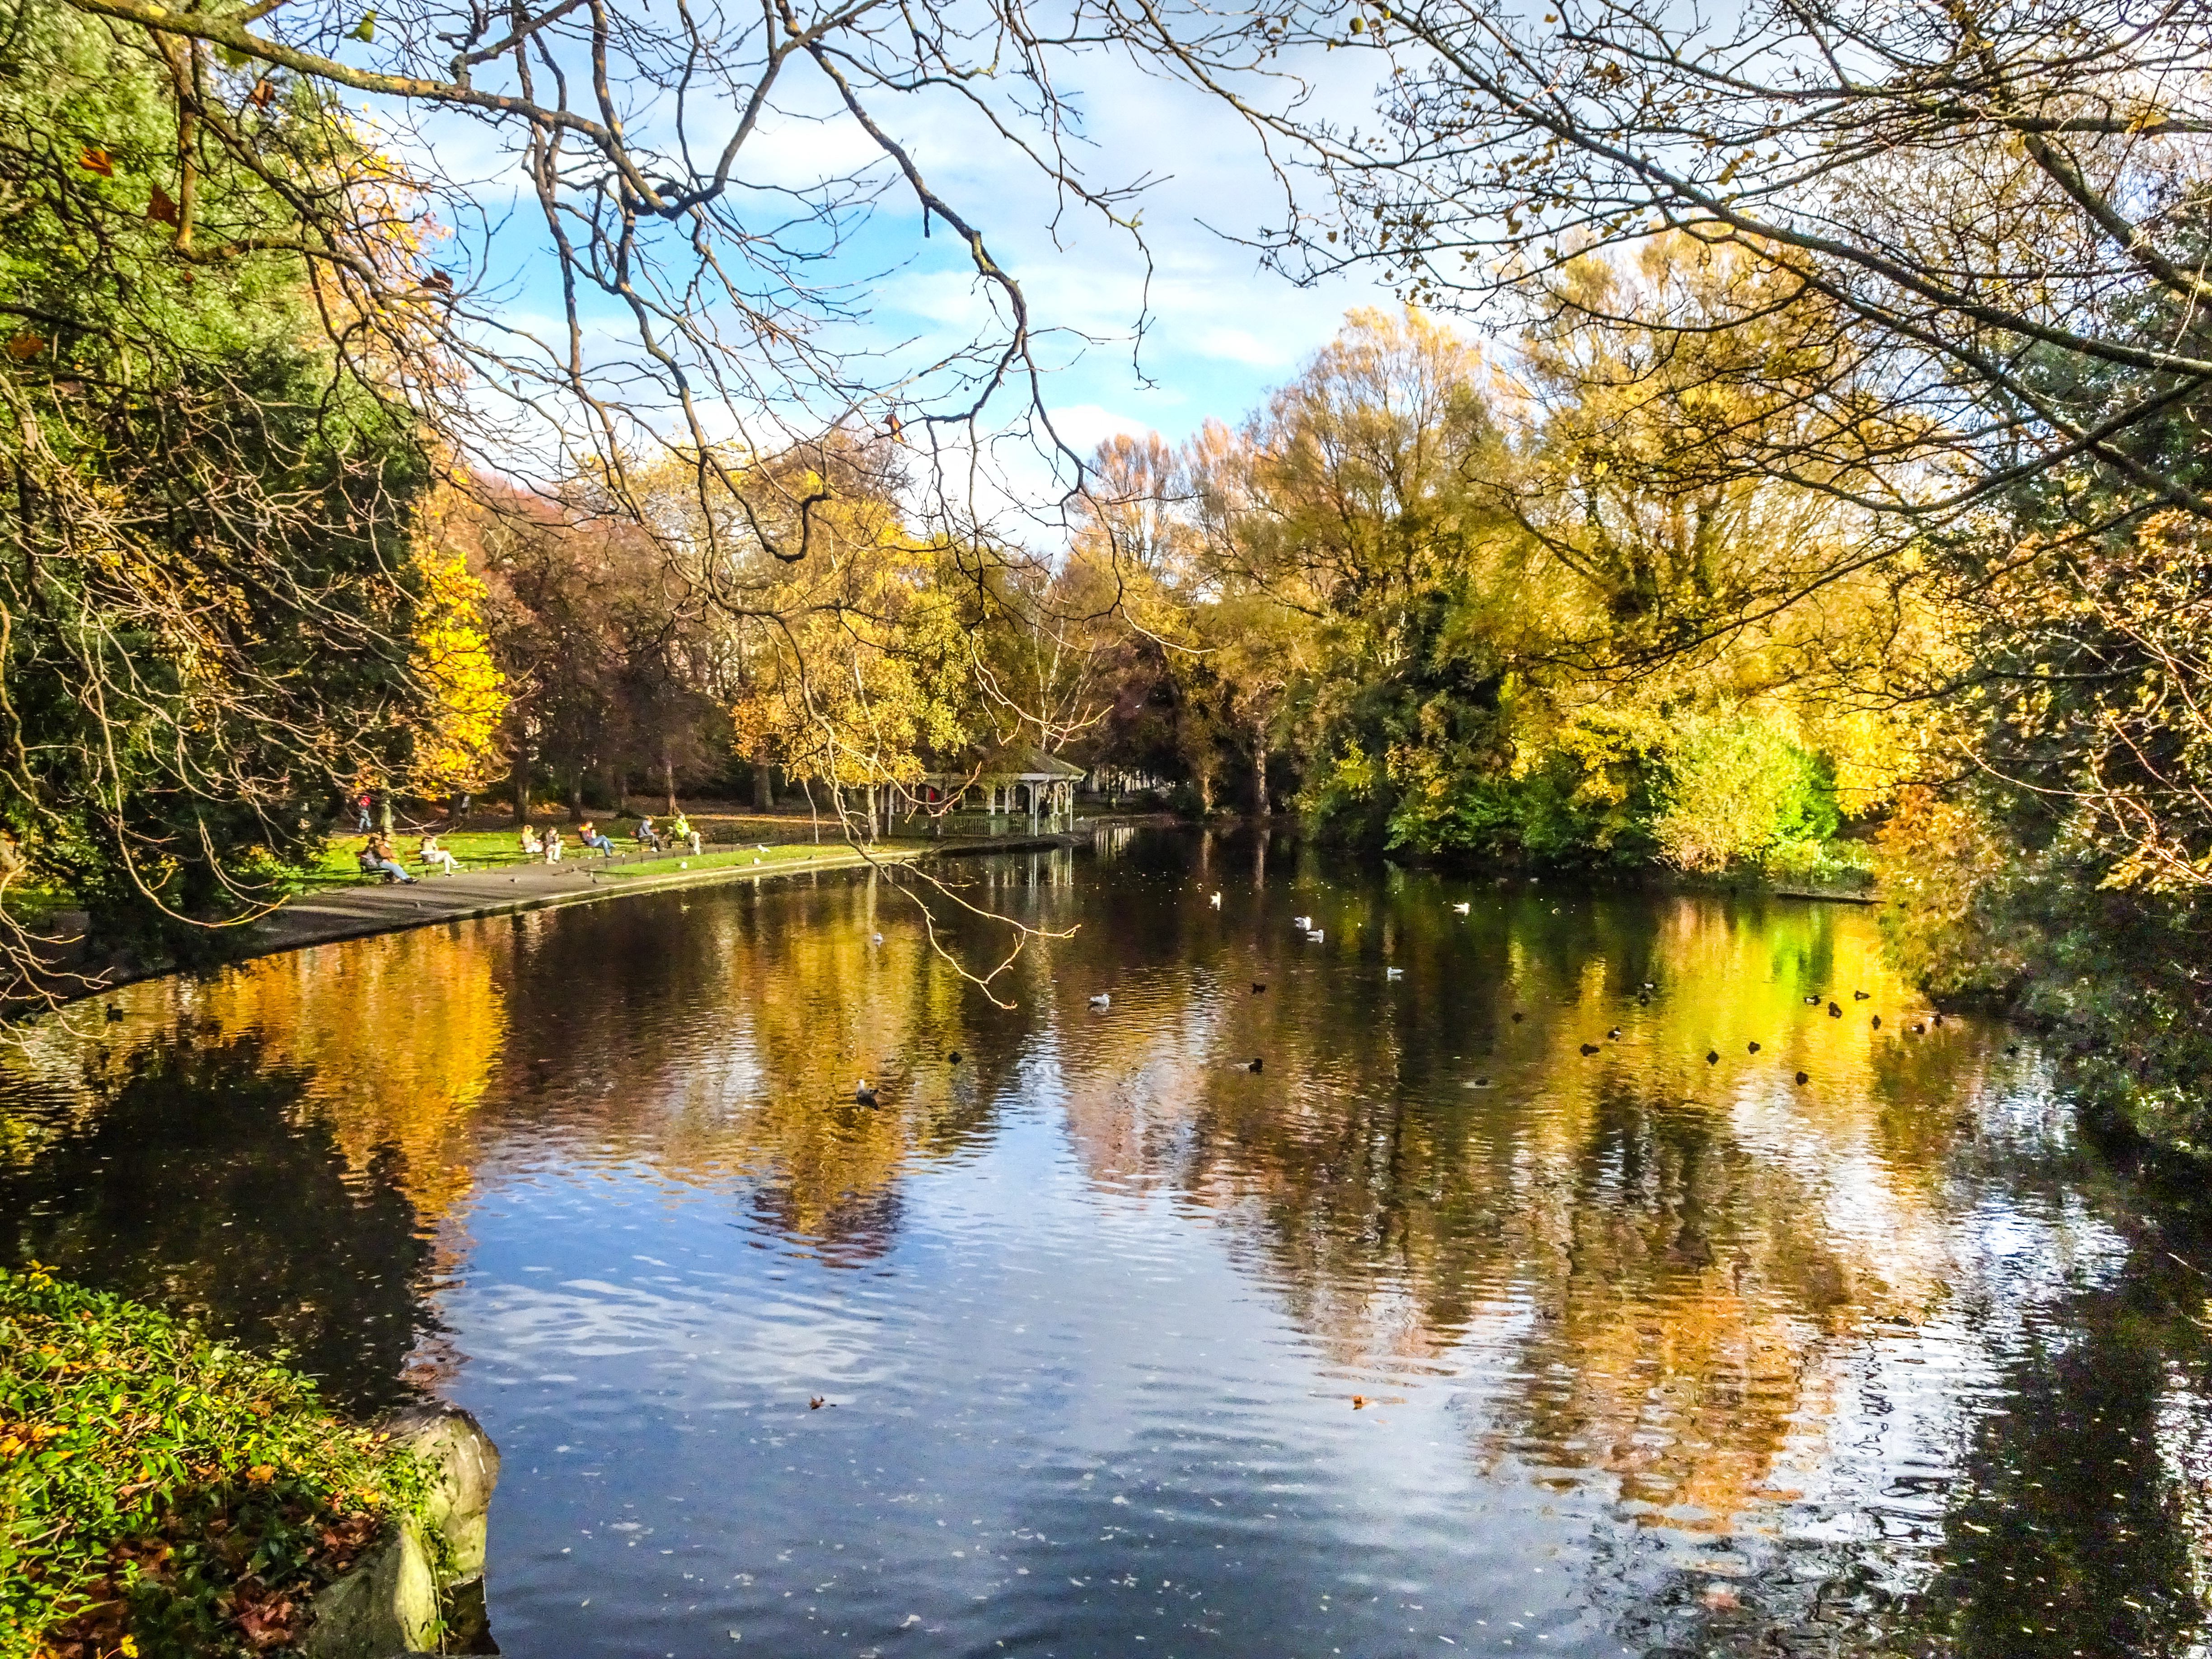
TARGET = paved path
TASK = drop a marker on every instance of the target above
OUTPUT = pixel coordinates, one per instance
(336, 913)
(331, 914)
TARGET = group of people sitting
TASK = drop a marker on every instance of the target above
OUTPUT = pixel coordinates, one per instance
(680, 834)
(377, 857)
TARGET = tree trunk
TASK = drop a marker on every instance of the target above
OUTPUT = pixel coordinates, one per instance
(521, 785)
(384, 811)
(1204, 781)
(1260, 770)
(763, 786)
(668, 776)
(577, 796)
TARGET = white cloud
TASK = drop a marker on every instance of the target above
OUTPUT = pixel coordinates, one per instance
(1085, 426)
(1219, 330)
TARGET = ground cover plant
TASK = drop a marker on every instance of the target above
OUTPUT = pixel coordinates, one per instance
(162, 1494)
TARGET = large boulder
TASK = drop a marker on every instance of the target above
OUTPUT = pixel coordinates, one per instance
(465, 1465)
(422, 1590)
(387, 1606)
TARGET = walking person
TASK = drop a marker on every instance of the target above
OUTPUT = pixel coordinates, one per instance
(362, 803)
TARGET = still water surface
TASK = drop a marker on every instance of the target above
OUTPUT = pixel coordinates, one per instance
(1489, 1315)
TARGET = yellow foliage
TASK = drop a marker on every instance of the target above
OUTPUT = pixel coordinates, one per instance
(452, 662)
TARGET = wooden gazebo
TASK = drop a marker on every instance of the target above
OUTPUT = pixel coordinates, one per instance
(1014, 781)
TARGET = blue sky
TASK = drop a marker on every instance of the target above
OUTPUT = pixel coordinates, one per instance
(1222, 330)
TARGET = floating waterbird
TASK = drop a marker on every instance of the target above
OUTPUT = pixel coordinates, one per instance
(1215, 901)
(1590, 1047)
(114, 1013)
(1650, 984)
(1919, 1029)
(1305, 922)
(1812, 1001)
(1834, 1012)
(1479, 1083)
(1712, 1057)
(1614, 1034)
(875, 939)
(1313, 936)
(1258, 986)
(1461, 907)
(1394, 973)
(1103, 999)
(952, 1059)
(1753, 1049)
(1254, 1064)
(864, 1092)
(1644, 999)
(1939, 1020)
(1861, 996)
(2012, 1048)
(1802, 1079)
(1877, 1022)
(1517, 1016)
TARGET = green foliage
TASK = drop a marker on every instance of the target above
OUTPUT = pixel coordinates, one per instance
(205, 582)
(2066, 876)
(2114, 973)
(1491, 621)
(161, 1488)
(1737, 791)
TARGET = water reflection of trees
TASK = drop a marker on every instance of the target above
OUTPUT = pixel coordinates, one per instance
(402, 1036)
(717, 1034)
(2071, 1514)
(193, 1174)
(1662, 1258)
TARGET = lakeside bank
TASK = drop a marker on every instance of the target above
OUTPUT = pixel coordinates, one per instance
(332, 914)
(349, 910)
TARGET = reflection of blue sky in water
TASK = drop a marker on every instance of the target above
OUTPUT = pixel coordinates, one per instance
(1656, 1351)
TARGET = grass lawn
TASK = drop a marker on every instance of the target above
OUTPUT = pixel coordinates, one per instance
(494, 849)
(164, 1495)
(477, 849)
(745, 857)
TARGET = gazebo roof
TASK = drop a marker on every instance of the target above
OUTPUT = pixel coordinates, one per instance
(1019, 762)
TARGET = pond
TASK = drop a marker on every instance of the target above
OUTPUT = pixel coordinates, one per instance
(1521, 1300)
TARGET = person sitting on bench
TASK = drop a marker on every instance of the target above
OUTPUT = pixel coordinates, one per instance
(376, 859)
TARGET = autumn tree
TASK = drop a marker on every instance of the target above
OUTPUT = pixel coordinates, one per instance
(1959, 210)
(208, 579)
